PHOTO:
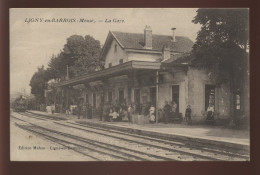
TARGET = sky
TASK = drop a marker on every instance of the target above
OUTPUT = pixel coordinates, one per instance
(37, 34)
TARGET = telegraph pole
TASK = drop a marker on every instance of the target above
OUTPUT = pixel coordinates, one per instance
(157, 95)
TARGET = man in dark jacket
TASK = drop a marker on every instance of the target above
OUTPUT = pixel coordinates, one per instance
(188, 114)
(101, 107)
(79, 107)
(167, 112)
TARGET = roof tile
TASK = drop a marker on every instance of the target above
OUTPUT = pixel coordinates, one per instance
(136, 41)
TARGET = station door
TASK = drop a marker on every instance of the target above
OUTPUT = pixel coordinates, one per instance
(176, 95)
(153, 96)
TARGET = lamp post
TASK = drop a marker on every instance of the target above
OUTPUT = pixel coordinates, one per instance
(157, 95)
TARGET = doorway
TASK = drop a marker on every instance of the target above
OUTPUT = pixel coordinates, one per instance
(175, 95)
(86, 98)
(102, 99)
(137, 96)
(121, 96)
(153, 96)
(94, 100)
(209, 96)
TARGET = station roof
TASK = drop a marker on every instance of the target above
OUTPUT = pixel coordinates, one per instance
(117, 70)
(136, 41)
(179, 59)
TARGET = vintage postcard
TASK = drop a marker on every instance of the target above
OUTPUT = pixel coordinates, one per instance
(129, 84)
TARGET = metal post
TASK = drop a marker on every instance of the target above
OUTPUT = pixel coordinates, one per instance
(67, 97)
(68, 71)
(157, 95)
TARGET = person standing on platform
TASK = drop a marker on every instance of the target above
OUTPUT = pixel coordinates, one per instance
(84, 110)
(174, 108)
(79, 107)
(89, 111)
(167, 112)
(101, 107)
(152, 114)
(188, 114)
(210, 114)
(105, 111)
(130, 113)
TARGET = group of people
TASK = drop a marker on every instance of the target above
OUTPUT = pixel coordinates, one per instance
(170, 110)
(112, 112)
(82, 109)
(121, 112)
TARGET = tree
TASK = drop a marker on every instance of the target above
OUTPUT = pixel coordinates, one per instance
(222, 37)
(38, 84)
(57, 67)
(82, 54)
(221, 45)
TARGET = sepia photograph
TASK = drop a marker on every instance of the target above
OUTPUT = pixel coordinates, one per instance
(129, 84)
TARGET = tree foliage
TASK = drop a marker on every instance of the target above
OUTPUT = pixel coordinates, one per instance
(222, 41)
(222, 26)
(221, 48)
(38, 84)
(57, 67)
(82, 54)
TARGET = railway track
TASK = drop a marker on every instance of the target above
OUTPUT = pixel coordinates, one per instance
(42, 117)
(106, 144)
(203, 152)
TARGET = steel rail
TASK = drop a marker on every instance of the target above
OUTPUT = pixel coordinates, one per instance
(153, 145)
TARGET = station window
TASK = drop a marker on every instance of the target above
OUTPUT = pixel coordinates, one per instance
(238, 100)
(110, 96)
(209, 96)
(120, 61)
(115, 48)
(94, 100)
(86, 98)
(110, 65)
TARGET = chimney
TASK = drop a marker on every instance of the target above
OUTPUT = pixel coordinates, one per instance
(148, 37)
(166, 54)
(173, 34)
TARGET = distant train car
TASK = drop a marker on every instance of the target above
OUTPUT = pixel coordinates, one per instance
(20, 104)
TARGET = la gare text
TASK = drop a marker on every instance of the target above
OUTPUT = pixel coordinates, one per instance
(72, 20)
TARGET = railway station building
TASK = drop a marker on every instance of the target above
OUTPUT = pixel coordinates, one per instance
(150, 68)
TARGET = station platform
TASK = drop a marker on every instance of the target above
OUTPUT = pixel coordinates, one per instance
(207, 134)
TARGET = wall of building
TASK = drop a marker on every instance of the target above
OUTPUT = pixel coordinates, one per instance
(191, 92)
(197, 79)
(114, 57)
(165, 89)
(245, 95)
(115, 84)
(143, 56)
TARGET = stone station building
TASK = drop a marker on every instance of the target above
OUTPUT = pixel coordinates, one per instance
(149, 68)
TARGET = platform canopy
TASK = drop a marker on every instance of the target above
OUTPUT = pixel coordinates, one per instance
(121, 69)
